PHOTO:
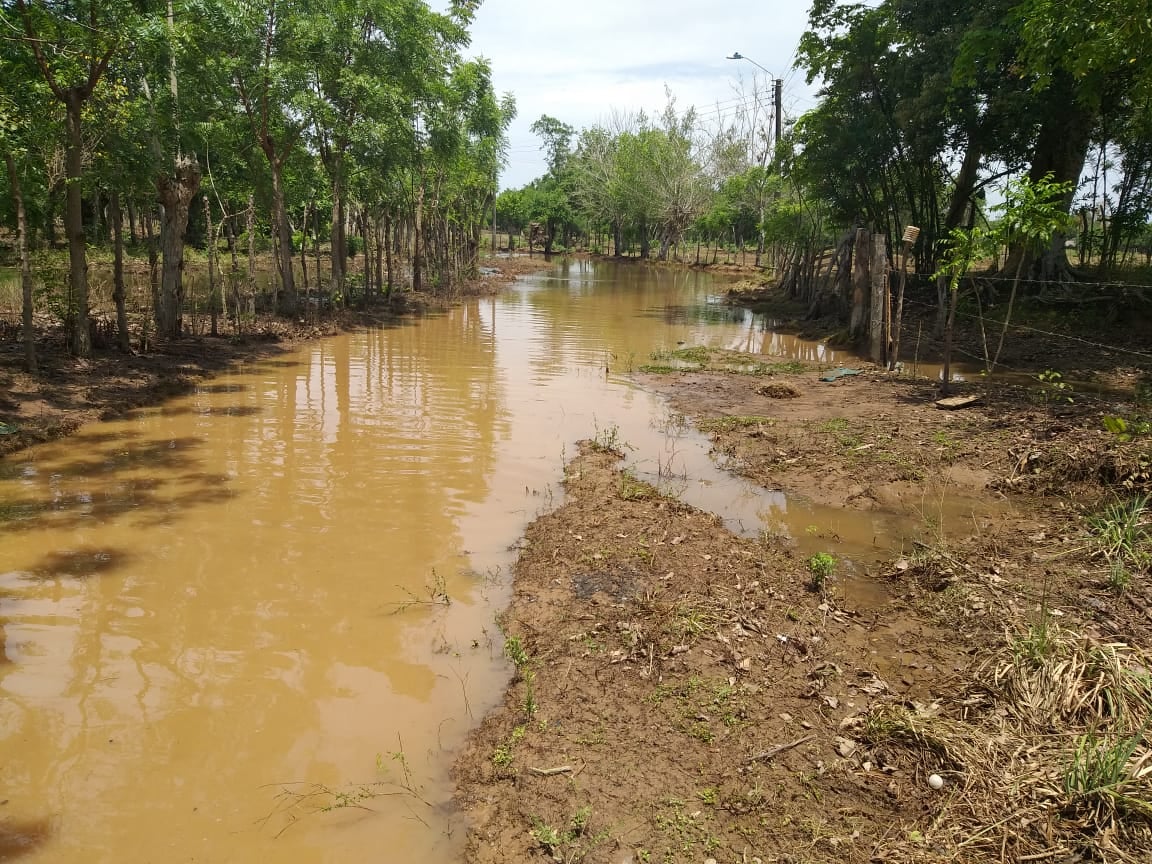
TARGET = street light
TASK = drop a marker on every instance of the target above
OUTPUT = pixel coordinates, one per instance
(779, 94)
(736, 55)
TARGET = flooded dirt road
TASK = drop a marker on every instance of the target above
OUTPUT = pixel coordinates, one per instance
(254, 623)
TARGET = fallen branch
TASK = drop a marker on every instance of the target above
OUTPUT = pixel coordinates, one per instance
(772, 752)
(550, 772)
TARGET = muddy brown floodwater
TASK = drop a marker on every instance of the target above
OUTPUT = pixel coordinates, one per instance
(221, 622)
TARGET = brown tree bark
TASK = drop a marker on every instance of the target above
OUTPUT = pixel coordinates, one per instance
(1060, 150)
(74, 225)
(213, 292)
(28, 333)
(287, 299)
(176, 191)
(118, 297)
(339, 256)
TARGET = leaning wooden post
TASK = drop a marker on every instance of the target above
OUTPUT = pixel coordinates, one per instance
(860, 261)
(879, 297)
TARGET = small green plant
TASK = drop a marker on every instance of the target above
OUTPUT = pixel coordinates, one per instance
(514, 651)
(822, 566)
(565, 845)
(1127, 428)
(1122, 536)
(607, 440)
(1100, 773)
(530, 706)
(503, 756)
(1053, 389)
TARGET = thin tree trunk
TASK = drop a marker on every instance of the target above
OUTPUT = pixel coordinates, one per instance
(29, 334)
(234, 275)
(381, 233)
(304, 250)
(316, 250)
(1008, 313)
(388, 252)
(118, 296)
(153, 275)
(132, 237)
(339, 253)
(74, 227)
(287, 304)
(250, 297)
(949, 327)
(213, 296)
(416, 239)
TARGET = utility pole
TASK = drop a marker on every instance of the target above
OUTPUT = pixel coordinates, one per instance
(779, 107)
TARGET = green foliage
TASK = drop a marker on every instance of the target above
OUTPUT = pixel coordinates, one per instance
(822, 567)
(1053, 388)
(1127, 428)
(1102, 773)
(1122, 536)
(514, 650)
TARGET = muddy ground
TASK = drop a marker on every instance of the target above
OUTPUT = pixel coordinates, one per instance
(66, 392)
(683, 694)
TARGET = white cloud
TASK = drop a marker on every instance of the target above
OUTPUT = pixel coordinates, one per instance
(579, 62)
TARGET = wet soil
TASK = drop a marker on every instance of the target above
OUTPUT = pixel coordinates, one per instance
(67, 392)
(684, 694)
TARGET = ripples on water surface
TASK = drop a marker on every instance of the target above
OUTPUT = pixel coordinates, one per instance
(203, 606)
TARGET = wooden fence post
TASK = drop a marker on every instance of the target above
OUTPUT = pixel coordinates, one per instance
(861, 261)
(879, 297)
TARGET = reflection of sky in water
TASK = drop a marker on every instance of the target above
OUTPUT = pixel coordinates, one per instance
(278, 517)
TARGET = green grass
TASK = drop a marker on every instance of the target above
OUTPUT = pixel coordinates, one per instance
(1122, 536)
(730, 423)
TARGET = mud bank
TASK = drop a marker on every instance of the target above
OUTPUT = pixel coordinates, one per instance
(684, 694)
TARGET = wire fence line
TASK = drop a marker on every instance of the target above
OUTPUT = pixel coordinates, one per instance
(1029, 329)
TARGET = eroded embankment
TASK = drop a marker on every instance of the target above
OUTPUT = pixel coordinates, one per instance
(684, 694)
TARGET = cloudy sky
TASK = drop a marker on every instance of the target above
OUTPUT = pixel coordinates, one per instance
(580, 61)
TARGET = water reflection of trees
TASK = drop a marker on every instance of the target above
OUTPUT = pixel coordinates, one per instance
(260, 528)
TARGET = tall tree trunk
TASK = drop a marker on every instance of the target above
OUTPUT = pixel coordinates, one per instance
(74, 226)
(287, 304)
(176, 191)
(316, 249)
(381, 232)
(132, 238)
(1060, 150)
(388, 252)
(234, 275)
(416, 239)
(250, 298)
(29, 334)
(153, 271)
(118, 296)
(213, 291)
(339, 255)
(304, 250)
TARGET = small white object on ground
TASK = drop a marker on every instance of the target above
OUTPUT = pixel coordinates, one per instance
(936, 781)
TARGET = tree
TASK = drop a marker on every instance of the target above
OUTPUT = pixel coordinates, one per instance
(557, 139)
(72, 43)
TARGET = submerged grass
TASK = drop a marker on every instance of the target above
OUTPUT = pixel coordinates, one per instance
(699, 358)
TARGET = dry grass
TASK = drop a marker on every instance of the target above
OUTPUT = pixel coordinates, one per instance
(1046, 756)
